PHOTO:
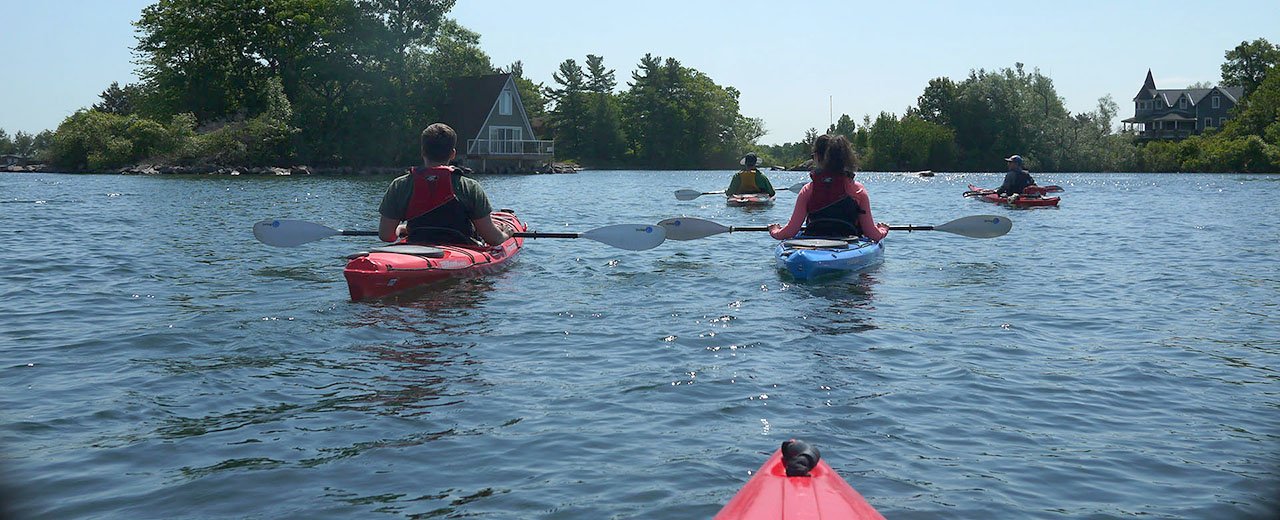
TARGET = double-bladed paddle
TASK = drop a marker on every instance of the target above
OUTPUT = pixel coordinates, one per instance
(688, 194)
(293, 233)
(974, 226)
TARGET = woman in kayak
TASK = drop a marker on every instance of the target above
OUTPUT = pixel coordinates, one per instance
(1017, 179)
(749, 180)
(436, 203)
(834, 204)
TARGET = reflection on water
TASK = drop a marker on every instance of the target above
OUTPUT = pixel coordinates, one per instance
(441, 307)
(840, 306)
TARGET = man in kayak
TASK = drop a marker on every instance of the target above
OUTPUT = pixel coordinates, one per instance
(1017, 179)
(434, 204)
(749, 180)
(833, 205)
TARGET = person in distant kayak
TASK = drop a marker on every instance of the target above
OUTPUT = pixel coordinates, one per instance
(434, 203)
(1017, 179)
(749, 180)
(834, 204)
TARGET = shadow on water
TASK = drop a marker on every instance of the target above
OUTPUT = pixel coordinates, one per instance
(448, 306)
(842, 304)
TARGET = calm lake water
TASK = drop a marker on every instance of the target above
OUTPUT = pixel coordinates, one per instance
(1114, 357)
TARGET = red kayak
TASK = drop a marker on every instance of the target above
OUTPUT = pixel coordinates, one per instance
(1031, 198)
(387, 270)
(749, 199)
(819, 495)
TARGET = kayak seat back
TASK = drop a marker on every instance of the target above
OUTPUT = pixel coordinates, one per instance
(816, 243)
(411, 249)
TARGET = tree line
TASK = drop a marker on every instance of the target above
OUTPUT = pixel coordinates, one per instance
(670, 116)
(351, 82)
(971, 124)
(275, 82)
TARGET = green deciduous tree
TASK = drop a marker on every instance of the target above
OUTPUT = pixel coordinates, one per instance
(1247, 64)
(95, 140)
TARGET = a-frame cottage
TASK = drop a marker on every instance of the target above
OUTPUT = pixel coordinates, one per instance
(494, 134)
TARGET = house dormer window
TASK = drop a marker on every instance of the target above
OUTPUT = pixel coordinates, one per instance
(1217, 101)
(504, 103)
(1182, 102)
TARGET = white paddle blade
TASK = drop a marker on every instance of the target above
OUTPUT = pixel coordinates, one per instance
(797, 187)
(690, 228)
(687, 194)
(632, 237)
(290, 233)
(978, 226)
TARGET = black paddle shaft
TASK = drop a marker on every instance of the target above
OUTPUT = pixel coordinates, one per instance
(911, 228)
(531, 234)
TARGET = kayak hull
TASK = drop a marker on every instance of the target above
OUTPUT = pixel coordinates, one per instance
(1033, 197)
(804, 262)
(771, 495)
(749, 199)
(379, 274)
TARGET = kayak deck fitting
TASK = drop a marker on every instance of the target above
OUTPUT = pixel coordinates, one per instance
(795, 484)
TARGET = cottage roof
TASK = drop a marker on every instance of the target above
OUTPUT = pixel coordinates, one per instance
(1232, 93)
(1148, 87)
(1173, 117)
(469, 102)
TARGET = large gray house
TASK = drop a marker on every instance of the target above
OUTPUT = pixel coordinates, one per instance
(494, 134)
(1178, 113)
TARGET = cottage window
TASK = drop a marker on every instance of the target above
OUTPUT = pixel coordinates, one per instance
(1217, 101)
(1182, 103)
(1222, 121)
(505, 139)
(504, 103)
(1208, 122)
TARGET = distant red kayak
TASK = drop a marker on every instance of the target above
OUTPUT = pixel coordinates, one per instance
(772, 495)
(750, 199)
(1022, 201)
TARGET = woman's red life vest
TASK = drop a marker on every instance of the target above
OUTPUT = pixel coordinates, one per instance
(435, 214)
(831, 211)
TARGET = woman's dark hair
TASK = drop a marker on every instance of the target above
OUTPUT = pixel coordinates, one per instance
(835, 154)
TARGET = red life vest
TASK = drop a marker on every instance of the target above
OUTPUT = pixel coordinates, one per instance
(435, 214)
(831, 211)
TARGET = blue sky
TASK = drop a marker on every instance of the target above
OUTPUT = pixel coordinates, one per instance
(794, 63)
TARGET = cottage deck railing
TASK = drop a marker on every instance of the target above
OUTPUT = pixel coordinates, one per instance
(494, 147)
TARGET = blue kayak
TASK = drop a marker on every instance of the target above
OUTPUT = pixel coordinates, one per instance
(806, 258)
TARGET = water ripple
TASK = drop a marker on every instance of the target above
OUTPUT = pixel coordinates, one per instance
(1105, 359)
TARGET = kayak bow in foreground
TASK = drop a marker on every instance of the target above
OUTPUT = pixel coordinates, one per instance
(796, 484)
